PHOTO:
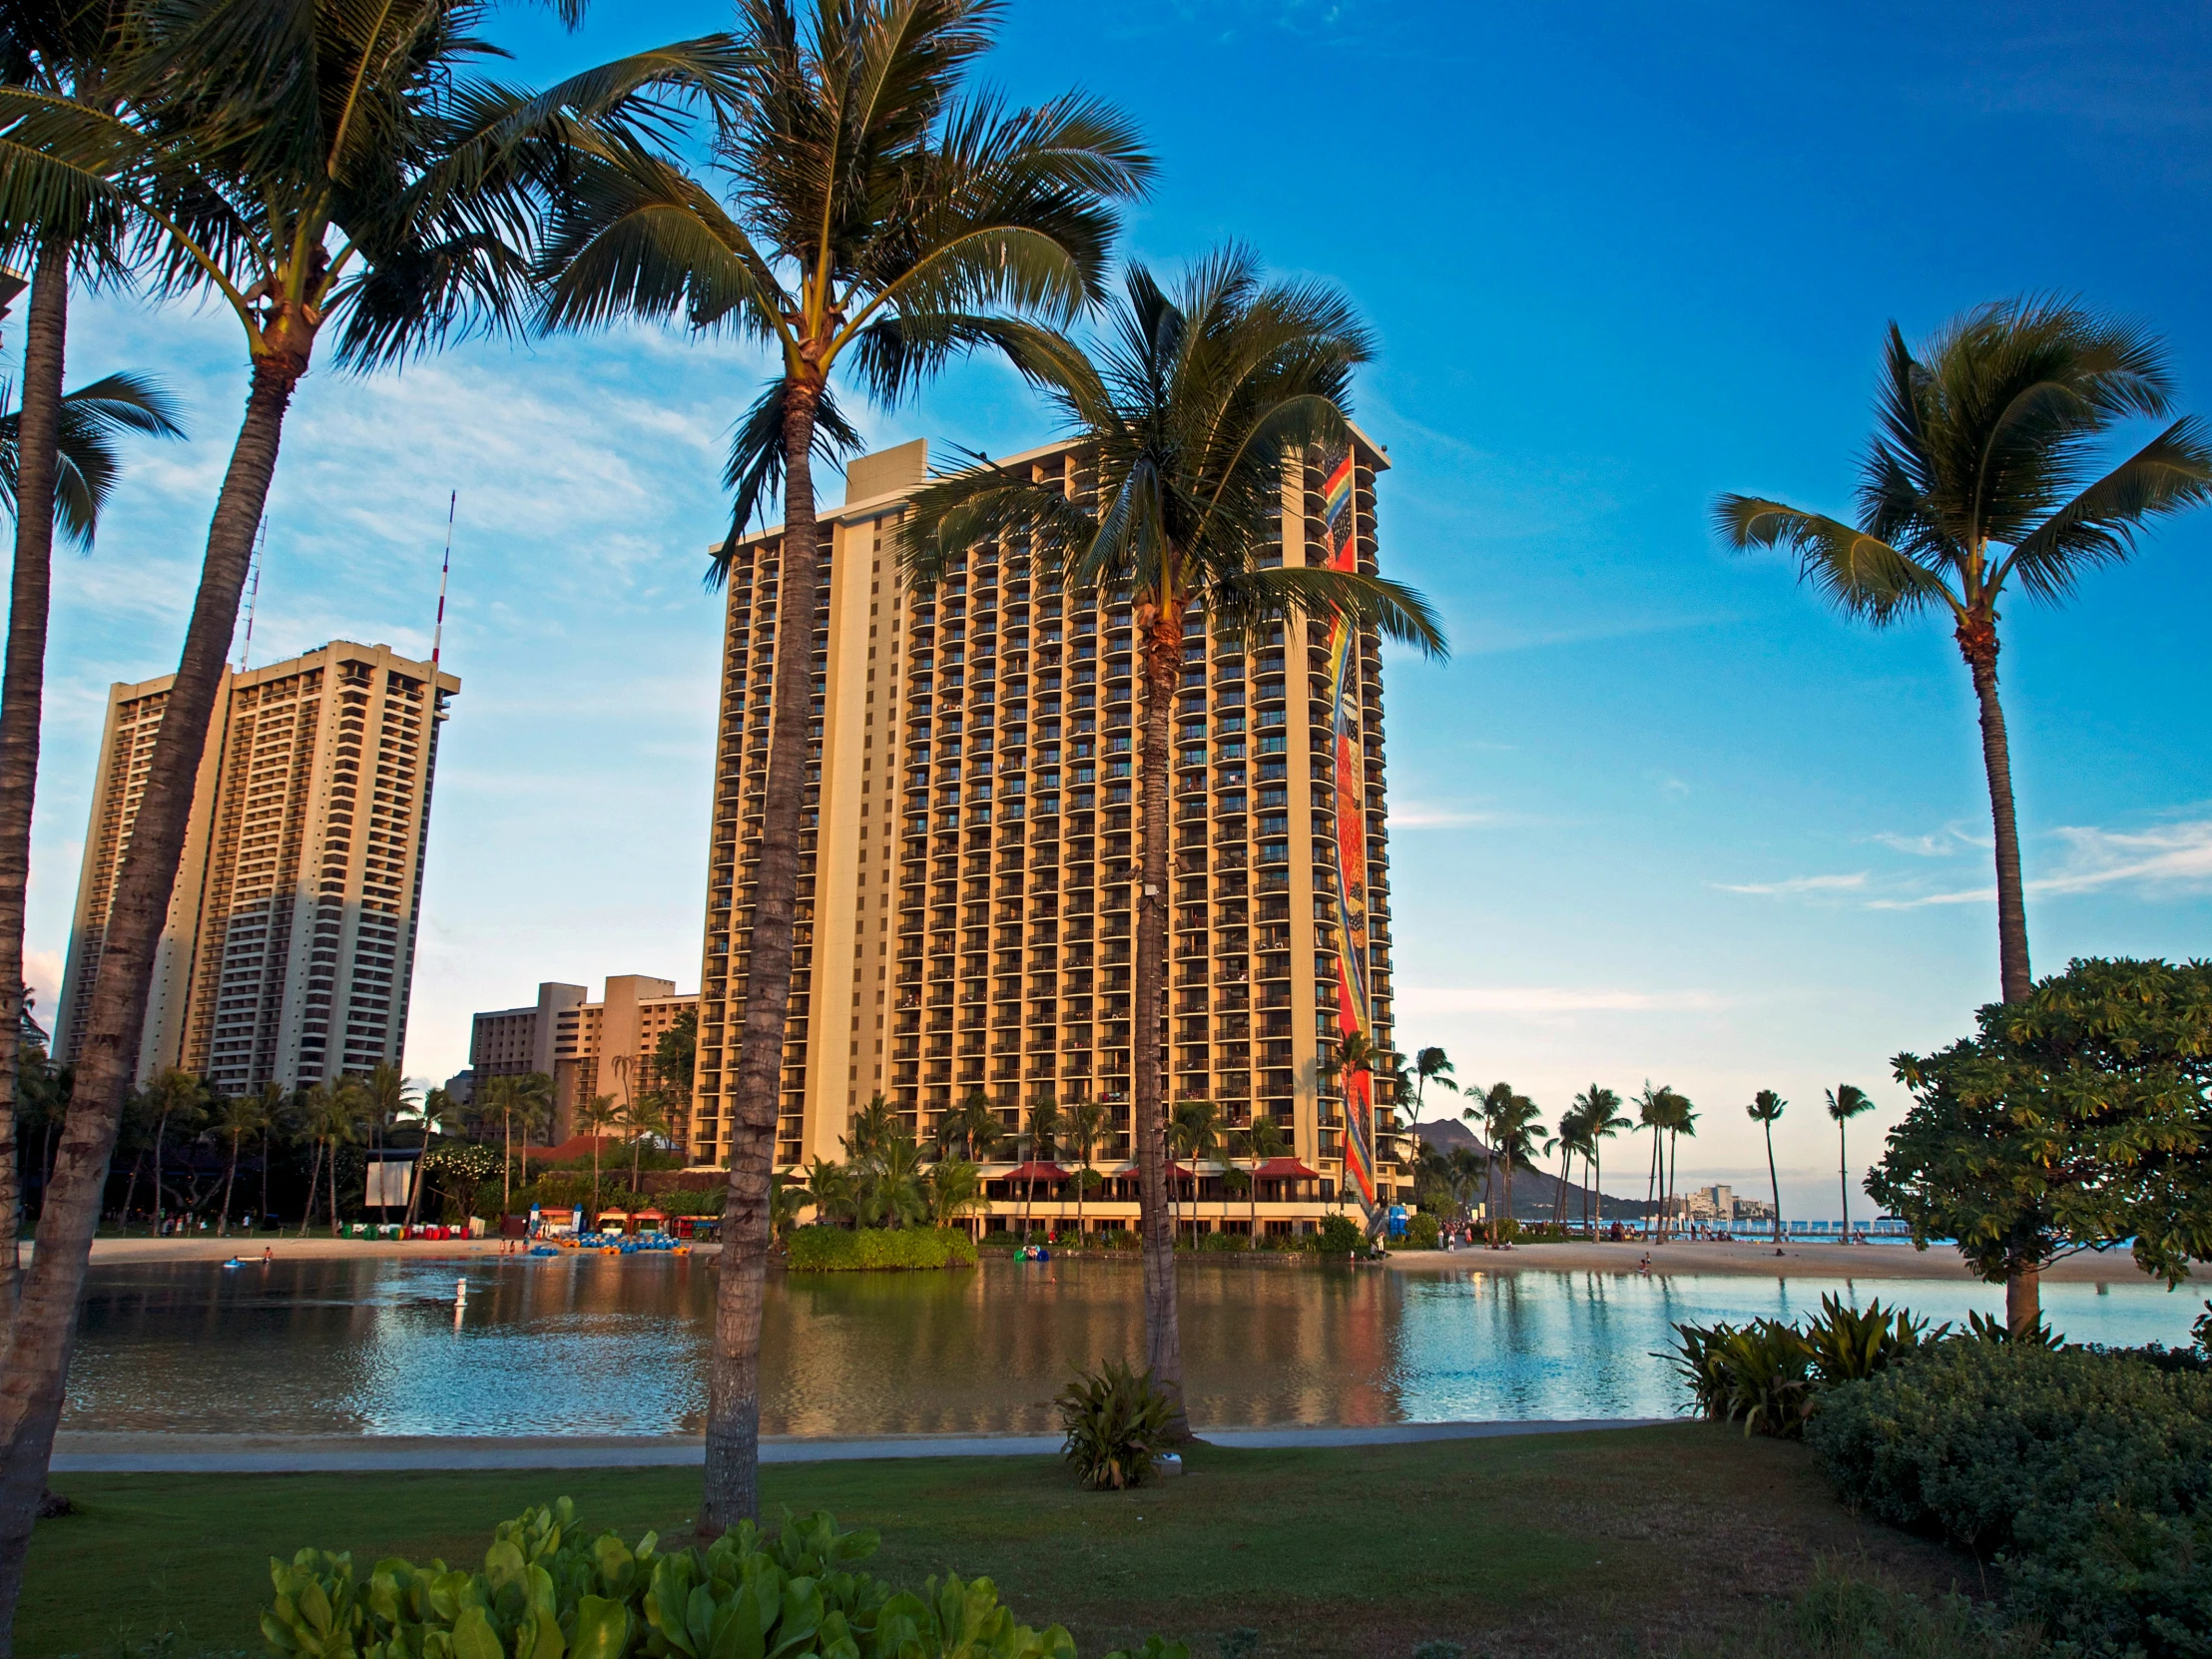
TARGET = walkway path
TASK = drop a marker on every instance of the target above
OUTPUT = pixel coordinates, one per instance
(291, 1454)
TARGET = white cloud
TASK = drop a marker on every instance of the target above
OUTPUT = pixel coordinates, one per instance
(1415, 816)
(1796, 885)
(2171, 856)
(1548, 999)
(42, 973)
(1943, 845)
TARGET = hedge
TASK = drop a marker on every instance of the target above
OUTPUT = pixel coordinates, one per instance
(833, 1250)
(2088, 1476)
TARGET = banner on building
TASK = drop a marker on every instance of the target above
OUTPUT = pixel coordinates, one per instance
(1348, 795)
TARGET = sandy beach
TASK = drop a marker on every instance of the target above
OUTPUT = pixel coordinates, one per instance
(1798, 1260)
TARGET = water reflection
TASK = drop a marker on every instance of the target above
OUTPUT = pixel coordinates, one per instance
(596, 1345)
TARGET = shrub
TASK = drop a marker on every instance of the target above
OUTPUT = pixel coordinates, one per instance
(1340, 1236)
(833, 1250)
(1849, 1346)
(2089, 1476)
(1116, 1422)
(545, 1590)
(1423, 1232)
(1757, 1374)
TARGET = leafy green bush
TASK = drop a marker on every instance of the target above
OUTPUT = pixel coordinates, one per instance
(1340, 1236)
(1423, 1232)
(833, 1250)
(1758, 1375)
(1116, 1422)
(545, 1591)
(1849, 1346)
(2089, 1476)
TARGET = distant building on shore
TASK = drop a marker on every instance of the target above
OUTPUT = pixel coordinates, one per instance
(969, 856)
(588, 1048)
(290, 944)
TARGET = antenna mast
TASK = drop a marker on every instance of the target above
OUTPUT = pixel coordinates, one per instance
(437, 634)
(253, 592)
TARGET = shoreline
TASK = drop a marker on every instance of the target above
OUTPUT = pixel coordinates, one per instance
(1677, 1257)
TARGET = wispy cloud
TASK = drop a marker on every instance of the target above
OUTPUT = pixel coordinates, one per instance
(1550, 1000)
(1415, 815)
(1949, 839)
(2166, 858)
(1798, 885)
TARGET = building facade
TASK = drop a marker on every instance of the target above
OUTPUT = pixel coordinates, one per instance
(588, 1048)
(964, 915)
(290, 944)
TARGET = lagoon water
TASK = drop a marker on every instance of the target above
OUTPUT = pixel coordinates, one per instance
(615, 1344)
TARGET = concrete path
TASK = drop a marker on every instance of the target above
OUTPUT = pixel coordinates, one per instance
(292, 1454)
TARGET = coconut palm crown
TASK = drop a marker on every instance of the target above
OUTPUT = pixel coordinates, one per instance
(1985, 473)
(1186, 406)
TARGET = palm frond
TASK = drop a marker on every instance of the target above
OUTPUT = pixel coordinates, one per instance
(1242, 604)
(755, 472)
(1861, 575)
(92, 418)
(2170, 475)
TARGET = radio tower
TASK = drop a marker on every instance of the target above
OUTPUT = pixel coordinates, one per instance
(437, 634)
(253, 592)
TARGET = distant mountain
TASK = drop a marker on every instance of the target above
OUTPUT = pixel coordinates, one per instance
(1534, 1191)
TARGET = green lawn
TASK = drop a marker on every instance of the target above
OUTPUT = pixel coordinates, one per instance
(1602, 1543)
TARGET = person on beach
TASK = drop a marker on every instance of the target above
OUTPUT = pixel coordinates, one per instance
(1644, 1266)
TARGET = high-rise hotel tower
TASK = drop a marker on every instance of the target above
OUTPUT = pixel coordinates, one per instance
(964, 919)
(290, 936)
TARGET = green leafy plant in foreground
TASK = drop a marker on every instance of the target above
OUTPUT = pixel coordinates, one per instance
(1848, 1345)
(1758, 1375)
(1117, 1423)
(548, 1591)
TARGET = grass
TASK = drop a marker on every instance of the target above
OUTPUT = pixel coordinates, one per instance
(1629, 1542)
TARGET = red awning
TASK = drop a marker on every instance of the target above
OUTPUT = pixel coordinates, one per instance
(1286, 1169)
(1130, 1172)
(1033, 1172)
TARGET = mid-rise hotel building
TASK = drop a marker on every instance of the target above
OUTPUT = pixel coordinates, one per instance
(290, 944)
(588, 1048)
(964, 914)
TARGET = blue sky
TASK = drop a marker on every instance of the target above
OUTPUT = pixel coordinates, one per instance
(1660, 817)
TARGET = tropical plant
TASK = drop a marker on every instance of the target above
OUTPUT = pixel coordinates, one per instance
(830, 1188)
(1846, 1102)
(973, 1126)
(1681, 1121)
(1045, 1129)
(642, 1117)
(1188, 410)
(1263, 1140)
(237, 1116)
(1430, 1065)
(871, 1128)
(1765, 1111)
(1086, 1128)
(1848, 1345)
(1516, 1128)
(875, 217)
(596, 1114)
(1117, 1423)
(2070, 1122)
(1598, 1114)
(311, 167)
(1194, 1133)
(172, 1096)
(1652, 1110)
(1758, 1375)
(862, 1249)
(57, 463)
(523, 1101)
(1984, 474)
(955, 1191)
(1339, 1236)
(1982, 1329)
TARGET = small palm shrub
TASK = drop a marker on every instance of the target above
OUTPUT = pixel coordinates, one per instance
(1983, 1327)
(1758, 1375)
(1116, 1420)
(1850, 1344)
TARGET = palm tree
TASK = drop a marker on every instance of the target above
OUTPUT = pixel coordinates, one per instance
(1845, 1102)
(1985, 473)
(1044, 1143)
(1568, 1143)
(176, 1096)
(1765, 1111)
(641, 1118)
(1490, 1113)
(388, 1099)
(955, 1188)
(1652, 1109)
(1430, 1065)
(1599, 1110)
(1518, 1129)
(596, 1114)
(315, 165)
(876, 216)
(974, 1124)
(1193, 1132)
(281, 1112)
(1189, 410)
(872, 1127)
(1086, 1128)
(237, 1116)
(1681, 1120)
(1264, 1139)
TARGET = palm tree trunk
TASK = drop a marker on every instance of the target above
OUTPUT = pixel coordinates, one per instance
(1162, 633)
(265, 1133)
(130, 1191)
(161, 1139)
(331, 1162)
(230, 1180)
(1977, 642)
(1596, 1195)
(1652, 1219)
(1843, 1176)
(35, 1373)
(733, 1375)
(23, 697)
(315, 1176)
(507, 1163)
(1773, 1184)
